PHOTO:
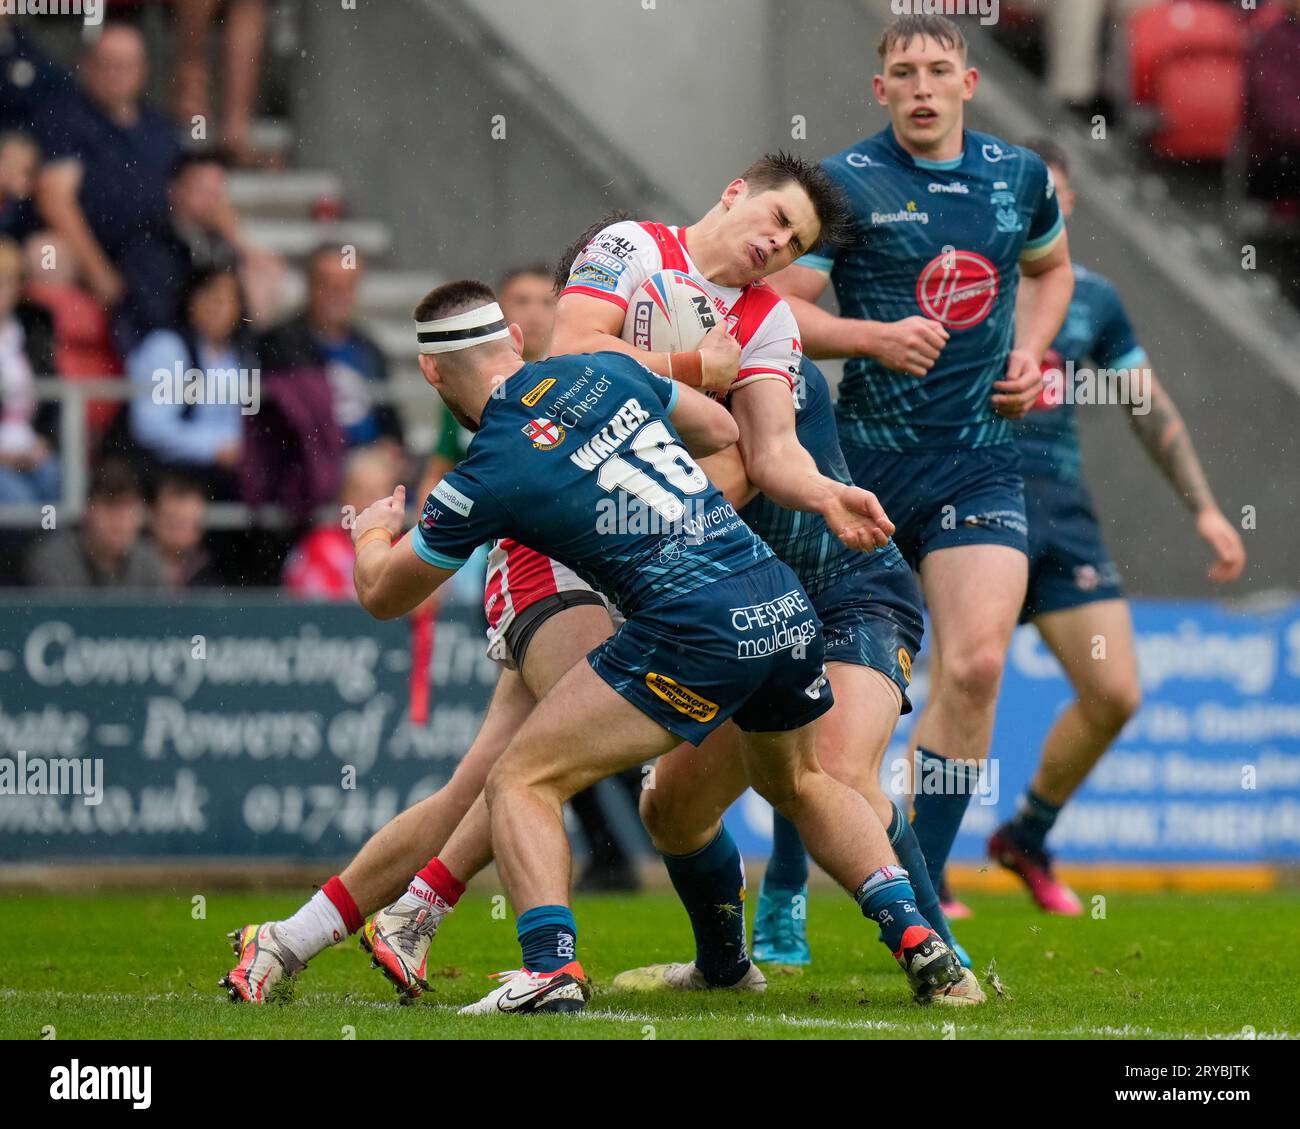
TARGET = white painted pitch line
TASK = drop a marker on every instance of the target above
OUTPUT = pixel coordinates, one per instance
(598, 1015)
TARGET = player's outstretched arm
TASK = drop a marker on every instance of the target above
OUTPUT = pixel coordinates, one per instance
(391, 580)
(726, 470)
(912, 345)
(705, 426)
(1163, 433)
(778, 465)
(1046, 287)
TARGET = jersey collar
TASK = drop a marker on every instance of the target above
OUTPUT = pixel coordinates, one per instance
(920, 162)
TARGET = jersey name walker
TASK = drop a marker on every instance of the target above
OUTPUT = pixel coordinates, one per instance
(1096, 329)
(941, 240)
(622, 256)
(610, 492)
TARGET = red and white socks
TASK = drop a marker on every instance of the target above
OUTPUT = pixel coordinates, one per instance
(433, 888)
(325, 920)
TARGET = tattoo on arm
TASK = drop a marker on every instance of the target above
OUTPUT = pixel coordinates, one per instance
(1165, 437)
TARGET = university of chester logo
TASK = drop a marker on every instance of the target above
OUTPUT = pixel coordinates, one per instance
(545, 434)
(958, 288)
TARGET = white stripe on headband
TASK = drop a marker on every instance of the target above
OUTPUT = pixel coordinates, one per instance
(462, 331)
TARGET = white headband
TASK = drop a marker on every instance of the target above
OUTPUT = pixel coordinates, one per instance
(462, 331)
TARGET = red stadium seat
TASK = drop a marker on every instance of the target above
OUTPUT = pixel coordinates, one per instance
(1188, 64)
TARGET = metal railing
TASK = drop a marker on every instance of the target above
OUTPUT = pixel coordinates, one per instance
(74, 397)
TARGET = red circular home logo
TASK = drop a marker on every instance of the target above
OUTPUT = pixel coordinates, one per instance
(958, 289)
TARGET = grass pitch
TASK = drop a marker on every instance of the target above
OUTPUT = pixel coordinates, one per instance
(1157, 966)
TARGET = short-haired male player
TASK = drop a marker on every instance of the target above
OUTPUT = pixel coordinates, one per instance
(871, 623)
(1074, 588)
(669, 673)
(955, 287)
(542, 616)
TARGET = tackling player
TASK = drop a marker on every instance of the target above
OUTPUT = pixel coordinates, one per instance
(871, 623)
(669, 673)
(955, 288)
(529, 597)
(1074, 588)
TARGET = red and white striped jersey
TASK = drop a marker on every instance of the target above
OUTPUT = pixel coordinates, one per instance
(517, 577)
(622, 256)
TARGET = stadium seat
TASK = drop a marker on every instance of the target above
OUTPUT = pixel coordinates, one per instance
(1187, 63)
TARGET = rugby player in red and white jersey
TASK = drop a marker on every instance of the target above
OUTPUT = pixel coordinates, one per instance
(542, 622)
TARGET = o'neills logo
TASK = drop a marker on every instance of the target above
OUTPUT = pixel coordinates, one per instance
(680, 698)
(905, 661)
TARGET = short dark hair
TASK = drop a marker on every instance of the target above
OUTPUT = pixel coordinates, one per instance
(1052, 154)
(776, 170)
(901, 32)
(453, 298)
(114, 479)
(560, 276)
(178, 483)
(527, 270)
(203, 278)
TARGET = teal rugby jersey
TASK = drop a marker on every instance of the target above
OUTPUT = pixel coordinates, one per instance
(1098, 330)
(943, 240)
(804, 540)
(577, 459)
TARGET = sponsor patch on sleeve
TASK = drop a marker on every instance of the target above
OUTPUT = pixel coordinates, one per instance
(452, 498)
(600, 272)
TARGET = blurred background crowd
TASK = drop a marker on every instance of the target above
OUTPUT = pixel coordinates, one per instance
(123, 252)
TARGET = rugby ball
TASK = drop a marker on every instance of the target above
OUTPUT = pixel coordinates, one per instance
(669, 313)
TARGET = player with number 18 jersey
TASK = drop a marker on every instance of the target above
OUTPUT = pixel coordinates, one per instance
(698, 596)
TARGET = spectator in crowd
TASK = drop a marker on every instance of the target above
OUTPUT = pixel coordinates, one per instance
(20, 157)
(1273, 105)
(320, 565)
(107, 551)
(108, 157)
(527, 298)
(199, 231)
(83, 349)
(177, 522)
(244, 22)
(29, 469)
(325, 336)
(196, 425)
(30, 83)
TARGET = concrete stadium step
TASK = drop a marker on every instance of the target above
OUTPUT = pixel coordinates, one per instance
(273, 135)
(289, 194)
(296, 238)
(385, 294)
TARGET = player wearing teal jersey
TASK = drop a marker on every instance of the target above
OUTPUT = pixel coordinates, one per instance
(1074, 592)
(957, 283)
(716, 627)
